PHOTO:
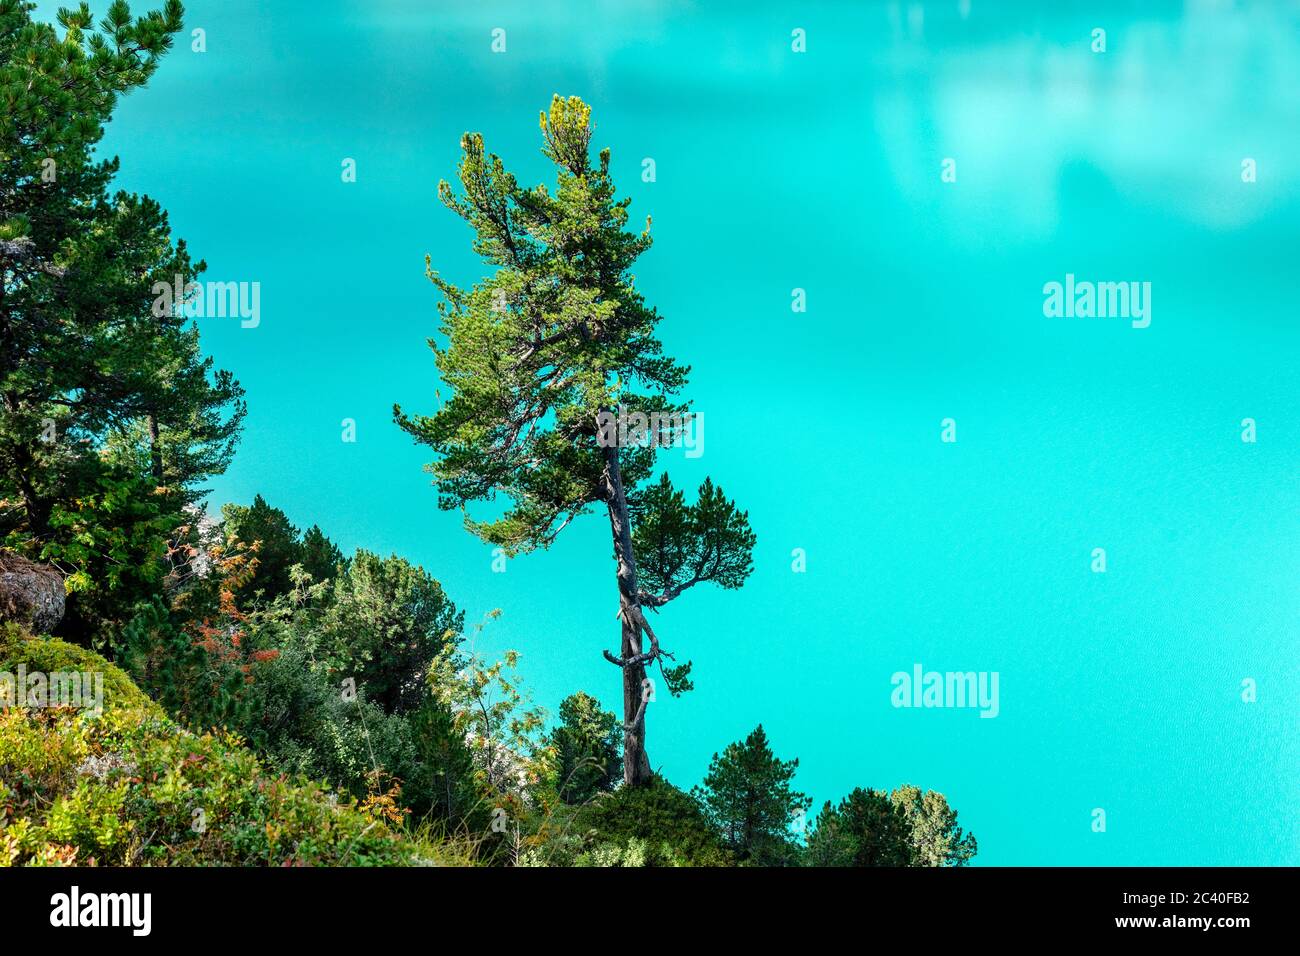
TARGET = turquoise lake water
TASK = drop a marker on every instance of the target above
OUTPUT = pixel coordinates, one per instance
(822, 171)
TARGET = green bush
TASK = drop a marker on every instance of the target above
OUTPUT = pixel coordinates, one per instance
(52, 654)
(300, 723)
(653, 825)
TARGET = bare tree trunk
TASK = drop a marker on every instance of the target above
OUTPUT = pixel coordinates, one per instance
(38, 510)
(636, 763)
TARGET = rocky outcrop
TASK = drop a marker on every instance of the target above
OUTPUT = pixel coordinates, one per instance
(31, 594)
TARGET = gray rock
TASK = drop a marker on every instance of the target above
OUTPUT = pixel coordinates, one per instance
(31, 594)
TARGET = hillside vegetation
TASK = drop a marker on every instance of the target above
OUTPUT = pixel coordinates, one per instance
(129, 787)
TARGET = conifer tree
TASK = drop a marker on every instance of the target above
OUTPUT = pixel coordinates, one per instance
(863, 829)
(747, 796)
(587, 744)
(907, 827)
(937, 840)
(320, 557)
(268, 530)
(543, 358)
(85, 363)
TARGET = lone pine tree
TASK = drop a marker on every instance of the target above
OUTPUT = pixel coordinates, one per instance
(542, 357)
